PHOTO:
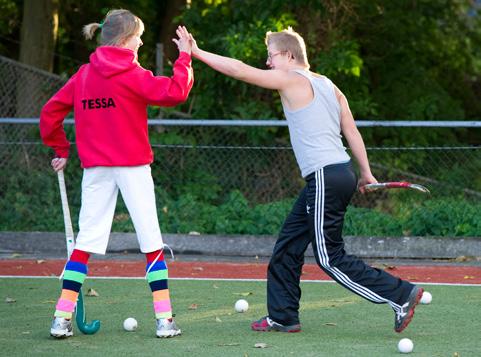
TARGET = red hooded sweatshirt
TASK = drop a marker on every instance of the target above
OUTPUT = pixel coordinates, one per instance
(110, 96)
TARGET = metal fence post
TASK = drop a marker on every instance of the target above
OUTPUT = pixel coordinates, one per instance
(159, 59)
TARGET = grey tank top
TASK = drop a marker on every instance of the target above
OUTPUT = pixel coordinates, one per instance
(315, 129)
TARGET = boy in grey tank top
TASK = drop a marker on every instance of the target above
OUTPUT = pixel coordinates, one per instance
(317, 113)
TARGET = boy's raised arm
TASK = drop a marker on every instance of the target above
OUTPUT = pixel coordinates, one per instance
(269, 79)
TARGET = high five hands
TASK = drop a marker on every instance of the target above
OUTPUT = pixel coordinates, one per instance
(185, 35)
(184, 40)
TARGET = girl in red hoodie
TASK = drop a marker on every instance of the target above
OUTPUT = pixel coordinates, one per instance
(109, 97)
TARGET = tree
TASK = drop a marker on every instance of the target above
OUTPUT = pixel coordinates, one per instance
(172, 9)
(10, 17)
(39, 33)
(38, 36)
(416, 60)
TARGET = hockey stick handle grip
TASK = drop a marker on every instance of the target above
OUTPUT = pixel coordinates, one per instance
(397, 184)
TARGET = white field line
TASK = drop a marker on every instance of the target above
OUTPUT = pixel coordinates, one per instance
(206, 279)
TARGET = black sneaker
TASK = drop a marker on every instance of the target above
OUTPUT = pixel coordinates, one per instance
(403, 318)
(266, 324)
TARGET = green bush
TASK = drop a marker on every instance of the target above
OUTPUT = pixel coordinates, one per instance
(370, 222)
(445, 217)
(31, 202)
(234, 216)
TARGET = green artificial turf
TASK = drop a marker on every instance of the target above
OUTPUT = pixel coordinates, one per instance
(335, 322)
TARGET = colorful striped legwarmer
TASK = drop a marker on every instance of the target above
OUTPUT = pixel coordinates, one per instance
(73, 278)
(157, 277)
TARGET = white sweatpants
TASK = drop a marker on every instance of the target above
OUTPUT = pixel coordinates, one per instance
(100, 186)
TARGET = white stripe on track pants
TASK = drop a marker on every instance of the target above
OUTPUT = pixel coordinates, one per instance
(317, 217)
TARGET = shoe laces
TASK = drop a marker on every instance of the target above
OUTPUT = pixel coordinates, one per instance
(69, 253)
(61, 322)
(166, 324)
(402, 312)
(272, 323)
(62, 273)
(158, 256)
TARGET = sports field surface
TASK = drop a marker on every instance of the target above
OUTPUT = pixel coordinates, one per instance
(334, 321)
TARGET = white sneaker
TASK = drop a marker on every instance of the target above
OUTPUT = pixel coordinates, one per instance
(167, 328)
(61, 328)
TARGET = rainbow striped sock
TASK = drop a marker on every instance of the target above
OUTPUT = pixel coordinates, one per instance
(157, 277)
(73, 278)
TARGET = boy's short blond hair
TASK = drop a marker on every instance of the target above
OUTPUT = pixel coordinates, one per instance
(290, 41)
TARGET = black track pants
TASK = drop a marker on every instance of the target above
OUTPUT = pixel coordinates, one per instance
(317, 217)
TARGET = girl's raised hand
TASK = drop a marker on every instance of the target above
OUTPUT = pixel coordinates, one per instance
(183, 41)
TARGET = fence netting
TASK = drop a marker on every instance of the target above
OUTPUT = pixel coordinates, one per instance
(229, 179)
(201, 183)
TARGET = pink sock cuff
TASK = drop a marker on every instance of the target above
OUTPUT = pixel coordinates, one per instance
(162, 306)
(65, 305)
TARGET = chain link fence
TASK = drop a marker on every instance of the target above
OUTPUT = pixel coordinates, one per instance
(211, 187)
(227, 179)
(25, 89)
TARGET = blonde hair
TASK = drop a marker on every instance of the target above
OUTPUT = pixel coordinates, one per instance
(289, 41)
(117, 27)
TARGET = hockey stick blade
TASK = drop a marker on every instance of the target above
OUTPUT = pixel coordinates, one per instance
(81, 318)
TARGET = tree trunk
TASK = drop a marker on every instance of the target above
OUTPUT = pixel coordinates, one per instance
(173, 8)
(39, 33)
(37, 43)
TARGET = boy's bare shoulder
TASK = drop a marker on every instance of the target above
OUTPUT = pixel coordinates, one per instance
(317, 75)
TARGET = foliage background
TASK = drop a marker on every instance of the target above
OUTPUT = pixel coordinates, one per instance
(408, 59)
(394, 60)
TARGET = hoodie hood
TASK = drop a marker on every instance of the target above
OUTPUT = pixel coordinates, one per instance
(110, 61)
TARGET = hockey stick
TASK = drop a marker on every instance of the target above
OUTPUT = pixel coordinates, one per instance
(400, 184)
(80, 316)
